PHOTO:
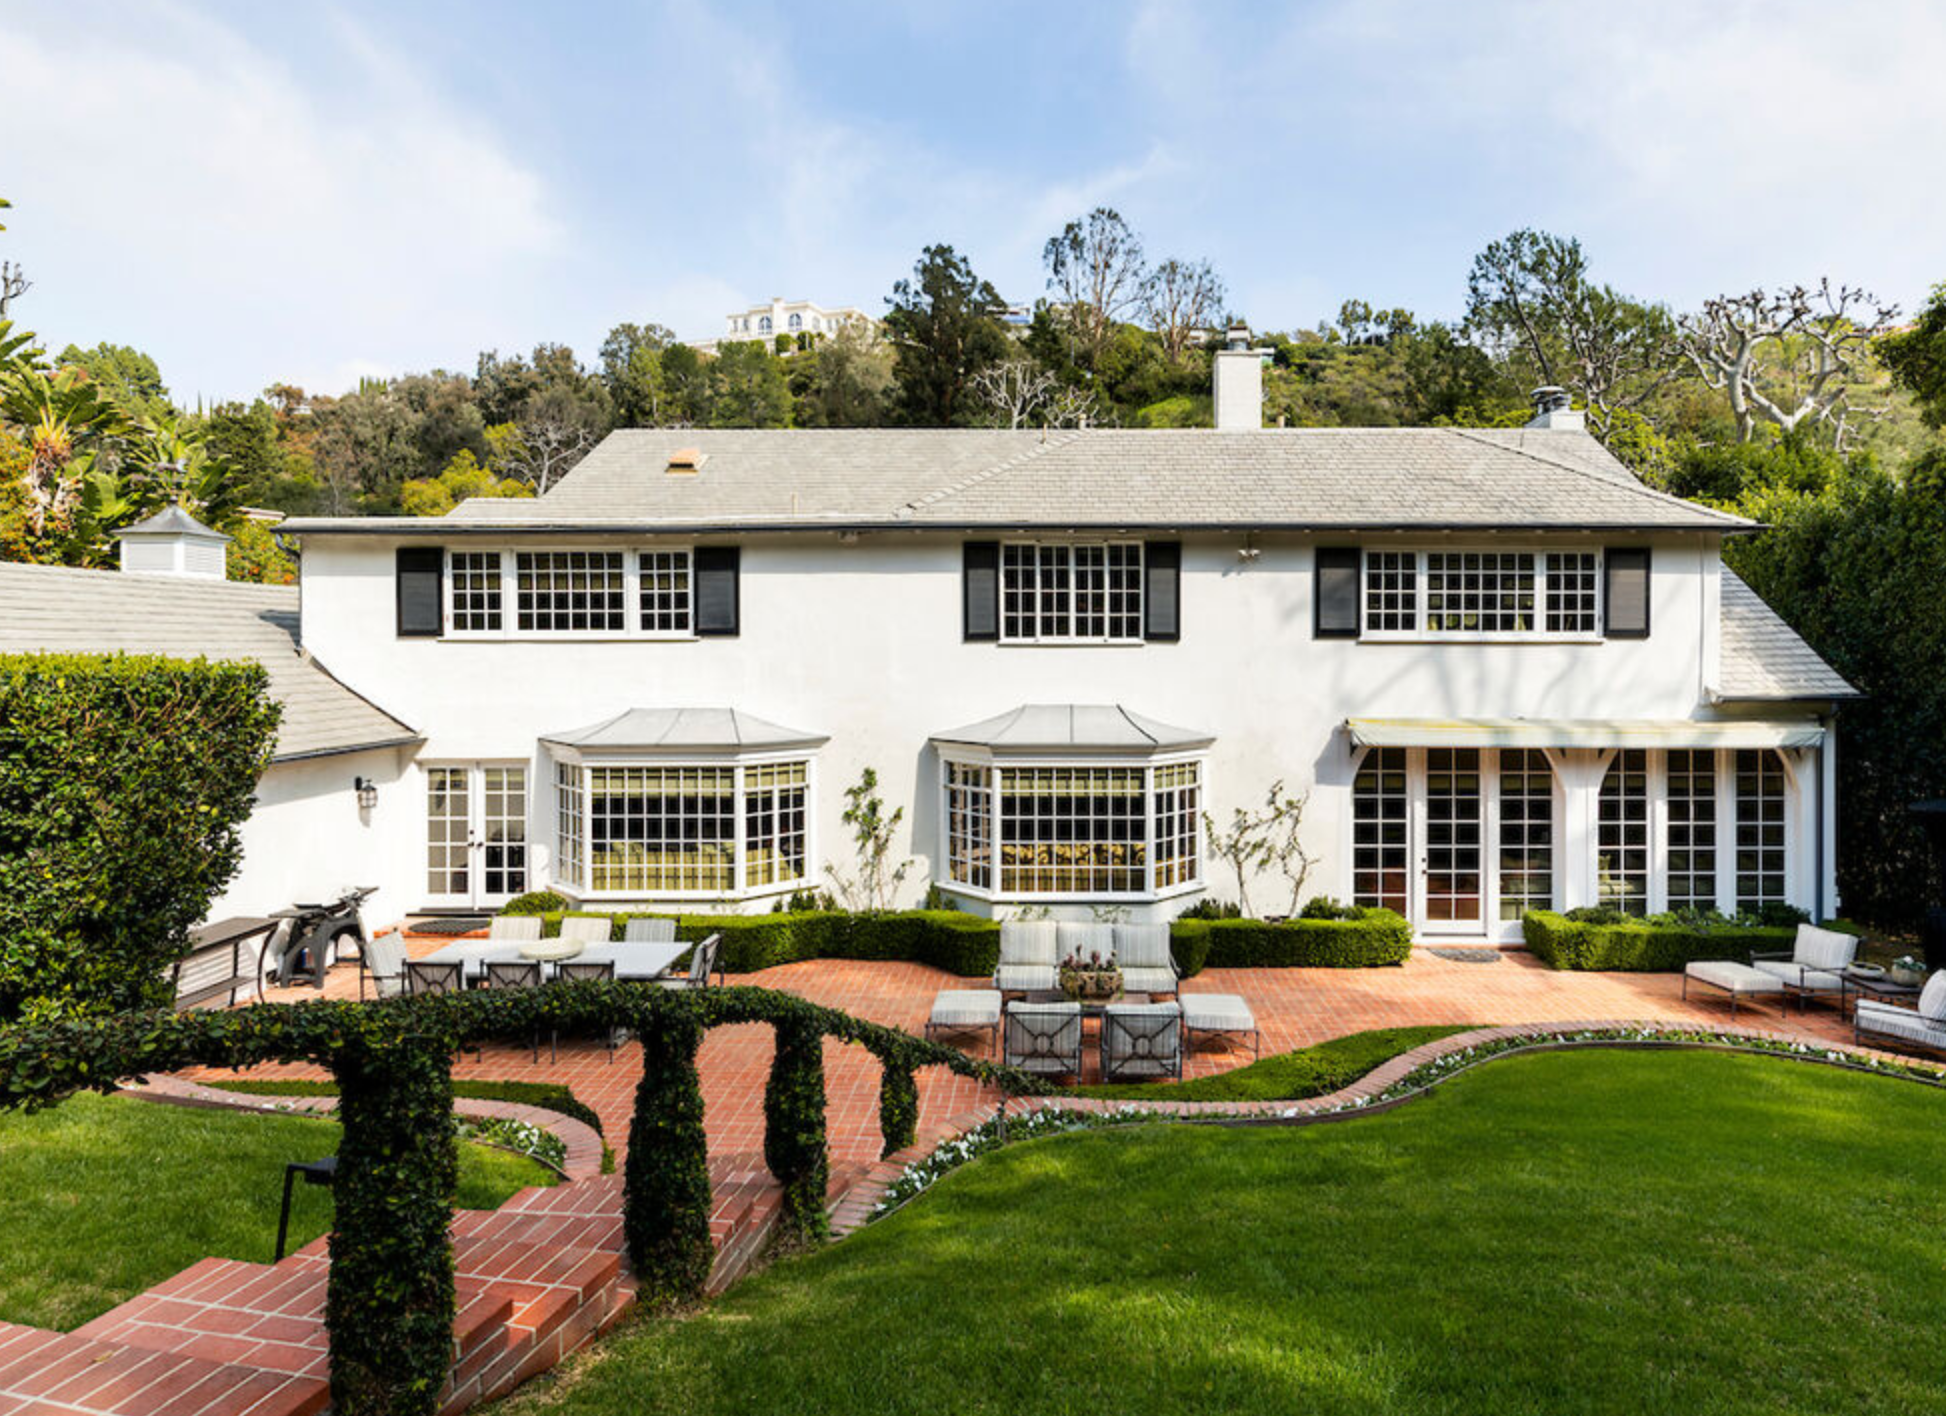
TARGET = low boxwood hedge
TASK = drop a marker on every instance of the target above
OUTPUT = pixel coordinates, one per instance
(1640, 946)
(1376, 937)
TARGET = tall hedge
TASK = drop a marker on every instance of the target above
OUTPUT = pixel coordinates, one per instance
(1375, 938)
(123, 782)
(1638, 946)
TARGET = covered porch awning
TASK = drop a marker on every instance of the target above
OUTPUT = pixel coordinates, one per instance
(1581, 732)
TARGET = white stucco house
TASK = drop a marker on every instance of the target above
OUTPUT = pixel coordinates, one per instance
(787, 317)
(1508, 674)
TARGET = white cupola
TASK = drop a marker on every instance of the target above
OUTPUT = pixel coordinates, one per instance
(172, 542)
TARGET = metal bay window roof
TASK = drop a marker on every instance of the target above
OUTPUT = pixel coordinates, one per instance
(1040, 729)
(684, 731)
(1578, 732)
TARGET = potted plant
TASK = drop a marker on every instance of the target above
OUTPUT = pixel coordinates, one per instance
(1090, 980)
(1908, 971)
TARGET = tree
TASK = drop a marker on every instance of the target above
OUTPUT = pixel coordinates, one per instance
(944, 328)
(126, 375)
(845, 381)
(1916, 358)
(543, 446)
(747, 387)
(1013, 391)
(1529, 295)
(1179, 300)
(465, 476)
(1271, 836)
(1787, 356)
(1096, 268)
(875, 885)
(13, 280)
(631, 370)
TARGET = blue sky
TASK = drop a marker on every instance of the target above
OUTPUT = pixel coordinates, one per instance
(310, 192)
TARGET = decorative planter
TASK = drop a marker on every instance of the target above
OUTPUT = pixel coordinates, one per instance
(1091, 985)
(1906, 978)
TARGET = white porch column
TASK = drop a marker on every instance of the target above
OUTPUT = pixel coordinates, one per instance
(1827, 824)
(1580, 771)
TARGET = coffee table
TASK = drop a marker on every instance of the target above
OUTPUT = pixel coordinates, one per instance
(1881, 988)
(1090, 1007)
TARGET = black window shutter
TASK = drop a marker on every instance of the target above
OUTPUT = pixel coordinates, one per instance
(1162, 590)
(421, 610)
(717, 595)
(1626, 594)
(1335, 596)
(980, 591)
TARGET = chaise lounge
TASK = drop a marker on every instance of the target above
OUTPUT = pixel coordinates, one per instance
(1815, 965)
(1924, 1026)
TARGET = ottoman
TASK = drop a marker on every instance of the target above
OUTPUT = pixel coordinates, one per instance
(1737, 980)
(965, 1010)
(1218, 1013)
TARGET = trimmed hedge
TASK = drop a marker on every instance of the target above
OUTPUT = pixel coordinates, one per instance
(124, 781)
(1375, 938)
(1637, 946)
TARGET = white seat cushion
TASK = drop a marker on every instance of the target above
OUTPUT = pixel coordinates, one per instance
(1797, 975)
(965, 1008)
(1217, 1012)
(1737, 978)
(514, 929)
(1932, 1002)
(1031, 941)
(1889, 1021)
(1824, 948)
(588, 931)
(1143, 980)
(1143, 946)
(1026, 978)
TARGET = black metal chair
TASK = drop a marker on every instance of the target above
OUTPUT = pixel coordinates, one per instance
(1141, 1042)
(1044, 1038)
(571, 972)
(423, 977)
(524, 974)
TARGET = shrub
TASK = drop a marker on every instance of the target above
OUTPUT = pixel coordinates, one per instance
(537, 902)
(123, 782)
(958, 943)
(553, 1096)
(1374, 938)
(1640, 945)
(1325, 907)
(1207, 908)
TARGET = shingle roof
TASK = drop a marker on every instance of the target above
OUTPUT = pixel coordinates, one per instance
(105, 612)
(1763, 658)
(172, 520)
(1322, 478)
(687, 730)
(1098, 727)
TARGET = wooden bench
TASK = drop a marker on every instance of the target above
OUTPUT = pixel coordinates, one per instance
(220, 960)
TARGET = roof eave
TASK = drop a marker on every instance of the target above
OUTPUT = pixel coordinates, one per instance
(377, 527)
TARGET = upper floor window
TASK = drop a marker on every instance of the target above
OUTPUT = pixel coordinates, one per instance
(646, 594)
(1482, 594)
(575, 591)
(1062, 593)
(763, 325)
(797, 322)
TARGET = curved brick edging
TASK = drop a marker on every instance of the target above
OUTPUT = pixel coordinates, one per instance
(584, 1144)
(858, 1205)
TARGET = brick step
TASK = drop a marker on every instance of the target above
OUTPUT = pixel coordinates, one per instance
(584, 1231)
(73, 1375)
(561, 1296)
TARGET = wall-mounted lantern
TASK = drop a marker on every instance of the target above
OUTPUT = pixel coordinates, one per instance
(367, 791)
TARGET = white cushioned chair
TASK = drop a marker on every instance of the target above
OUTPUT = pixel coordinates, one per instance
(1924, 1026)
(1029, 956)
(514, 929)
(1147, 964)
(587, 930)
(1816, 965)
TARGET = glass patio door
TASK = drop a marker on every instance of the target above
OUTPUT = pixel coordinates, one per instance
(1453, 856)
(476, 834)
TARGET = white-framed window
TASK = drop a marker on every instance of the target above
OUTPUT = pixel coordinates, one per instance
(665, 599)
(1381, 834)
(1692, 828)
(1481, 594)
(1622, 833)
(1762, 859)
(1062, 830)
(1526, 832)
(699, 830)
(547, 593)
(1086, 592)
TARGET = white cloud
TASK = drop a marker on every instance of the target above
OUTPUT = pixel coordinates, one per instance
(170, 176)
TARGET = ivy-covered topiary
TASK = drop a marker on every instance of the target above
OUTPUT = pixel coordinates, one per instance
(794, 1140)
(123, 784)
(666, 1207)
(898, 1106)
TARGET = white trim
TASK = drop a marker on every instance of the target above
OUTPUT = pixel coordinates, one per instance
(1581, 732)
(1423, 633)
(510, 632)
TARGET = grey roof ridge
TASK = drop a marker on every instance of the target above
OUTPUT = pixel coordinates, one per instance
(967, 483)
(1632, 485)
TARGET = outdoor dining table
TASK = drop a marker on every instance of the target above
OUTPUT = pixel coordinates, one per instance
(639, 962)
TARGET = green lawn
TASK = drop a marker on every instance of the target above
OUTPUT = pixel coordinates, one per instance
(1615, 1232)
(1288, 1076)
(101, 1197)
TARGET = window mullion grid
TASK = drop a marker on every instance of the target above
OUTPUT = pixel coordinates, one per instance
(740, 823)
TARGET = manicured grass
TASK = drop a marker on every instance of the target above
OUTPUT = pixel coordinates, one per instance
(552, 1095)
(101, 1197)
(1576, 1232)
(1289, 1076)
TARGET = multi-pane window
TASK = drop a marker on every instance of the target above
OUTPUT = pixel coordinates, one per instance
(1479, 592)
(665, 594)
(1391, 591)
(1090, 591)
(1526, 832)
(1760, 852)
(1622, 833)
(503, 830)
(1455, 853)
(1692, 829)
(773, 823)
(1062, 830)
(969, 824)
(653, 829)
(1572, 577)
(1380, 839)
(476, 592)
(449, 830)
(1484, 593)
(1178, 805)
(567, 823)
(572, 591)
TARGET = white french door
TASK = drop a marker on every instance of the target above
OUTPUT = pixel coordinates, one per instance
(476, 834)
(1452, 845)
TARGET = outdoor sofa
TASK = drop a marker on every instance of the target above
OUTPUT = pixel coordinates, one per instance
(1816, 963)
(1924, 1026)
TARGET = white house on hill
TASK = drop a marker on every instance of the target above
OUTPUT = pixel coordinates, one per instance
(1508, 674)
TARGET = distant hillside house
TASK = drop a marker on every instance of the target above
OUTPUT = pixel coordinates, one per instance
(792, 318)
